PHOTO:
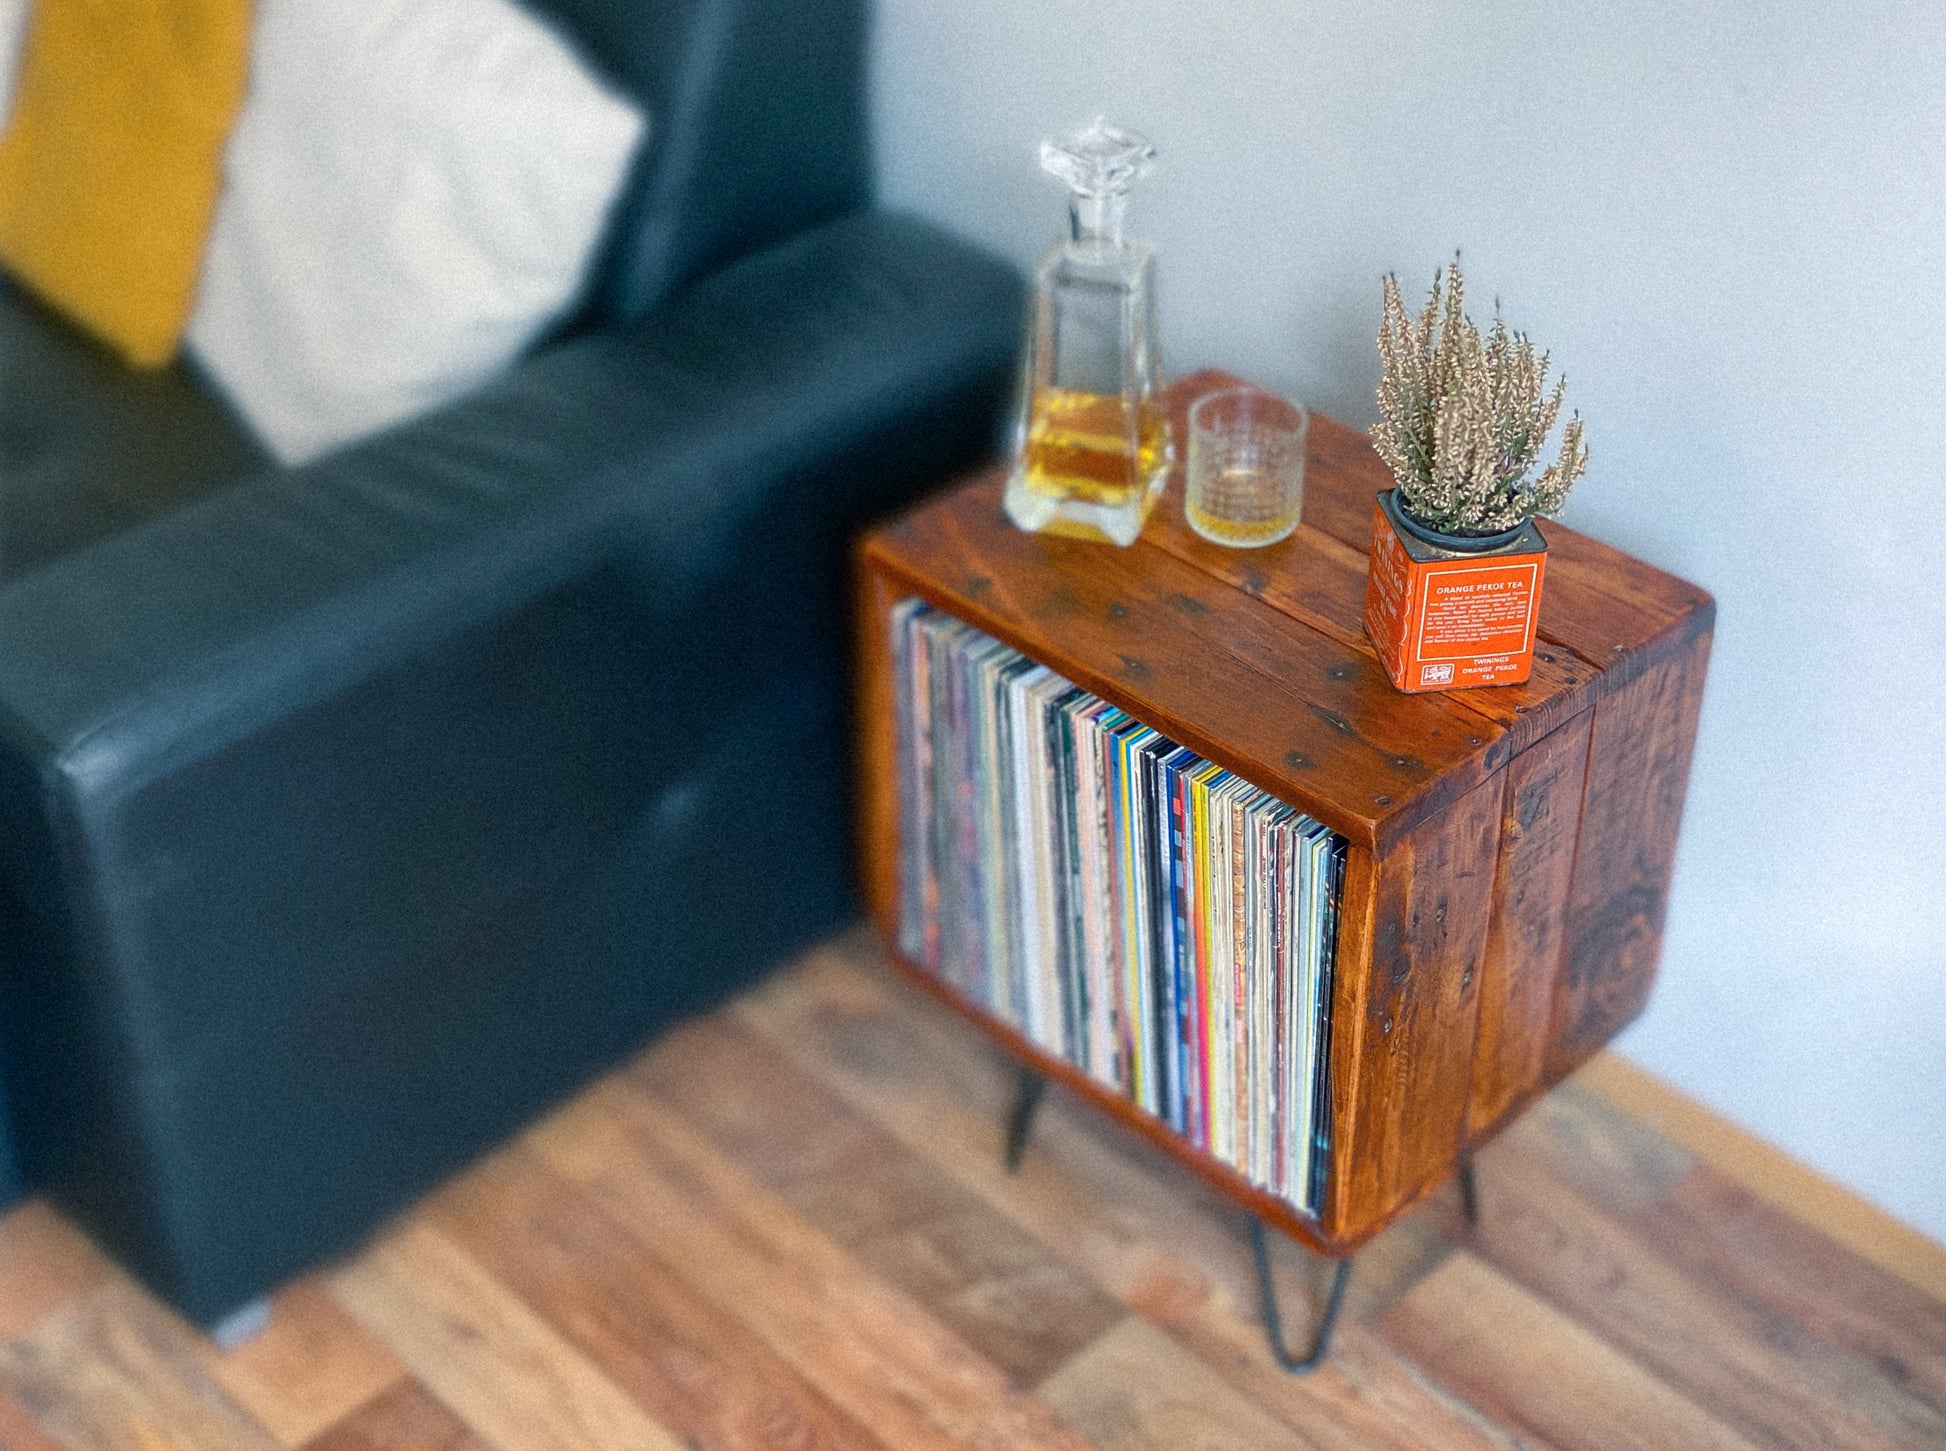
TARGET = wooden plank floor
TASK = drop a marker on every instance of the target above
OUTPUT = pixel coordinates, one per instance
(786, 1226)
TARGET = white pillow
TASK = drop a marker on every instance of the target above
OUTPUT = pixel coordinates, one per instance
(13, 37)
(413, 193)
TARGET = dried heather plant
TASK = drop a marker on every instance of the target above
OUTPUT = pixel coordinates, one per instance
(1465, 417)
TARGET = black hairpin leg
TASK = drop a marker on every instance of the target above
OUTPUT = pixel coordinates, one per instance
(1028, 1088)
(1273, 1322)
(1469, 1192)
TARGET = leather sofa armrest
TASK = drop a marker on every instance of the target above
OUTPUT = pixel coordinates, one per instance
(673, 431)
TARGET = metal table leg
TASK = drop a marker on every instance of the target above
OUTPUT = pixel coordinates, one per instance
(1469, 1192)
(1028, 1088)
(1273, 1322)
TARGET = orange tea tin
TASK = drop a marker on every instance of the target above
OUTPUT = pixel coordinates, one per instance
(1445, 619)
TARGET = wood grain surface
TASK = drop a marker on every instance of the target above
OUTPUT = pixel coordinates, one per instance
(114, 1369)
(1404, 1025)
(1520, 978)
(309, 1369)
(1638, 772)
(786, 1225)
(405, 1418)
(45, 1263)
(1293, 710)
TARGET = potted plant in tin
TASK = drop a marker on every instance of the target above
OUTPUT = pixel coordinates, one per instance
(1453, 592)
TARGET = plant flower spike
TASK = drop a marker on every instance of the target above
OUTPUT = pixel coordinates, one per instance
(1465, 418)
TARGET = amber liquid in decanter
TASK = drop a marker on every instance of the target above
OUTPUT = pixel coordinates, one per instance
(1078, 446)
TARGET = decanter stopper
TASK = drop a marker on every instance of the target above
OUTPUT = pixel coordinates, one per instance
(1099, 163)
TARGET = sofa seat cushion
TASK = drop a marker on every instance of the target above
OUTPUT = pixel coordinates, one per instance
(89, 446)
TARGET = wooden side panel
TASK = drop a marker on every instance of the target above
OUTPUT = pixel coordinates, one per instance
(1404, 1016)
(1532, 880)
(1638, 769)
(877, 737)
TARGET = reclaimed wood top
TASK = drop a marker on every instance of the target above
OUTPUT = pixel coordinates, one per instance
(1258, 659)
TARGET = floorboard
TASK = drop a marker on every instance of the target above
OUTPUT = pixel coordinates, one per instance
(310, 1369)
(786, 1225)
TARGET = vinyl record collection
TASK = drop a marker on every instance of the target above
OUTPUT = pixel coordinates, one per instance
(1123, 903)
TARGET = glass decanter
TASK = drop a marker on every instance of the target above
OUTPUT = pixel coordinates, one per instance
(1092, 445)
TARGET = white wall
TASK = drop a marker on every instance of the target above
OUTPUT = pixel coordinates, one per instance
(1727, 220)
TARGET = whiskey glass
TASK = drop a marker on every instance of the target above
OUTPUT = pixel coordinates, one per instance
(1246, 467)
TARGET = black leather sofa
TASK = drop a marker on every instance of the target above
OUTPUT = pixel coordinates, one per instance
(350, 815)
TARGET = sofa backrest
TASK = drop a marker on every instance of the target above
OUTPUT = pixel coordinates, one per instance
(758, 128)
